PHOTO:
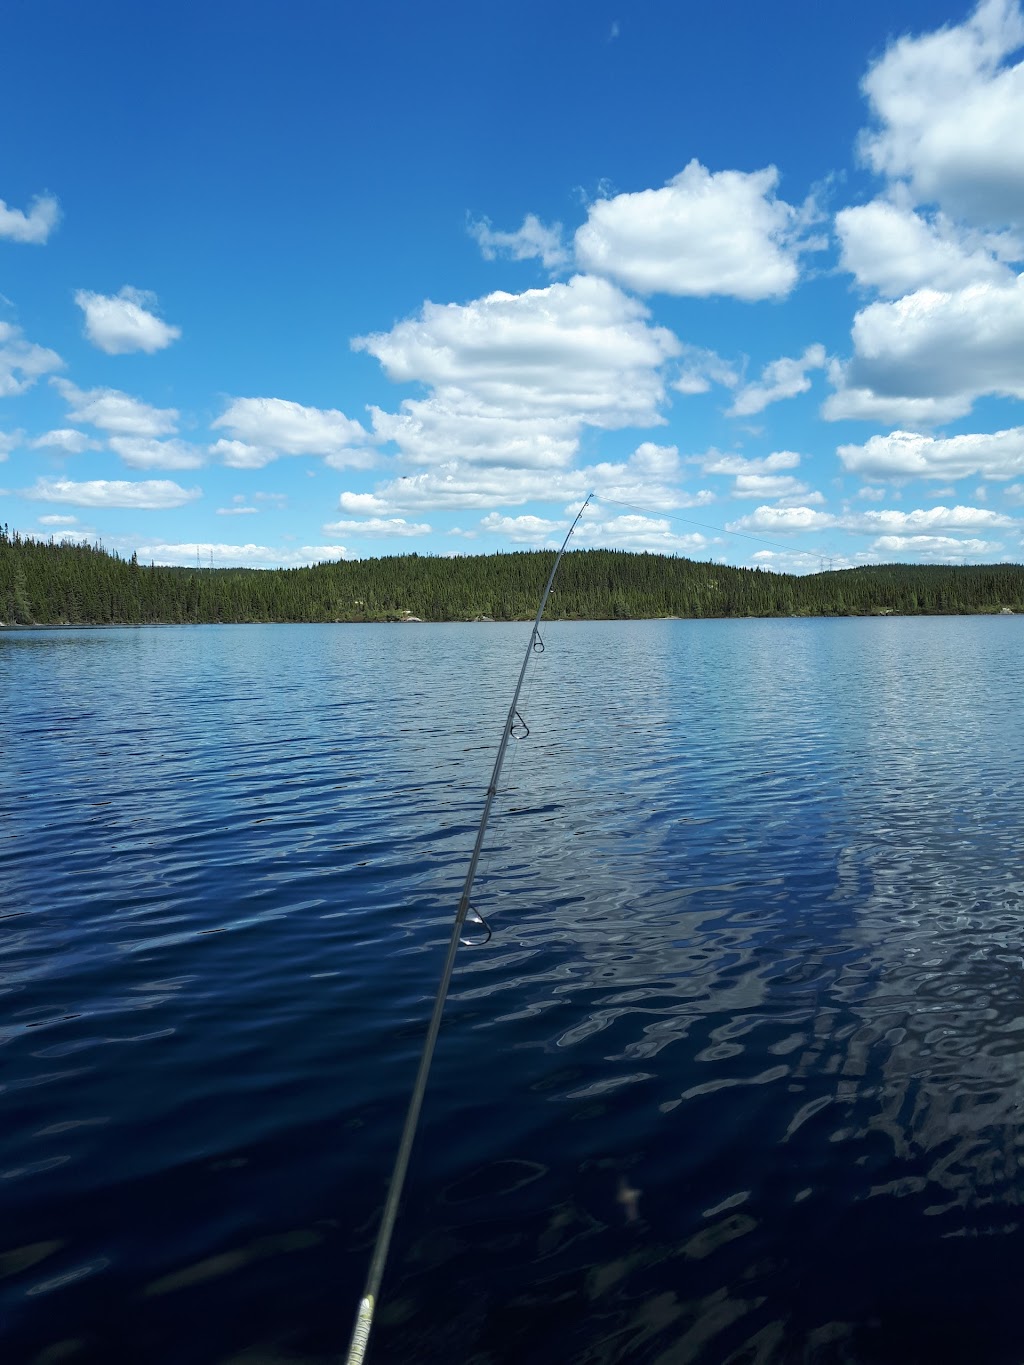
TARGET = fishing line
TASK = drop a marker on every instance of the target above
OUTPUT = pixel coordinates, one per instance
(514, 726)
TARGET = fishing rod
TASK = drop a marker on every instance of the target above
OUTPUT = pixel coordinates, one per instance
(515, 728)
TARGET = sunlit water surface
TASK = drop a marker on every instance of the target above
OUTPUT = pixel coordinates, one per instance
(738, 1078)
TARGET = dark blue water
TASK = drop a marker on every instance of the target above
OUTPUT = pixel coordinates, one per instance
(739, 1077)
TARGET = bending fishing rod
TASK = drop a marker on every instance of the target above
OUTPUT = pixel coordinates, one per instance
(515, 728)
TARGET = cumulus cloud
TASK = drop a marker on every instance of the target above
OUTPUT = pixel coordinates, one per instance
(56, 520)
(864, 405)
(22, 362)
(125, 322)
(453, 426)
(928, 356)
(657, 462)
(144, 452)
(457, 485)
(782, 487)
(715, 462)
(795, 561)
(762, 478)
(703, 233)
(9, 440)
(633, 531)
(33, 227)
(238, 556)
(928, 519)
(533, 239)
(908, 454)
(152, 494)
(116, 412)
(377, 527)
(948, 108)
(782, 378)
(700, 368)
(237, 511)
(939, 549)
(779, 520)
(783, 520)
(66, 440)
(514, 378)
(525, 530)
(262, 429)
(890, 247)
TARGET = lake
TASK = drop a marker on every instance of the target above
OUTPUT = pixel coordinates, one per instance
(739, 1076)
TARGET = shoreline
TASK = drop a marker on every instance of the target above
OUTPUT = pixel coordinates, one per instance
(17, 628)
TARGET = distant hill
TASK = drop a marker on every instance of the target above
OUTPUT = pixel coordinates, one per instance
(46, 583)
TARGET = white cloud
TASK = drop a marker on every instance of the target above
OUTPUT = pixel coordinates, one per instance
(435, 429)
(703, 233)
(155, 494)
(634, 531)
(56, 520)
(34, 226)
(716, 463)
(940, 549)
(659, 462)
(903, 454)
(949, 110)
(318, 553)
(700, 369)
(780, 520)
(1014, 493)
(241, 455)
(117, 412)
(864, 405)
(871, 494)
(782, 378)
(378, 526)
(457, 485)
(778, 486)
(515, 377)
(9, 440)
(124, 322)
(893, 249)
(925, 358)
(928, 519)
(525, 530)
(762, 478)
(783, 520)
(66, 440)
(144, 452)
(261, 429)
(238, 556)
(640, 479)
(237, 511)
(794, 561)
(533, 239)
(22, 362)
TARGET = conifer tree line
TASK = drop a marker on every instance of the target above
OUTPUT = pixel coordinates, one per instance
(54, 583)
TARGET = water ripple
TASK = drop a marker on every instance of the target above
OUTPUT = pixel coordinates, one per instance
(738, 1078)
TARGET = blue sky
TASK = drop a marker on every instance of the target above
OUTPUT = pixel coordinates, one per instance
(288, 283)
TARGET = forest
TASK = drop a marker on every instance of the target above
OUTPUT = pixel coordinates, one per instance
(48, 583)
